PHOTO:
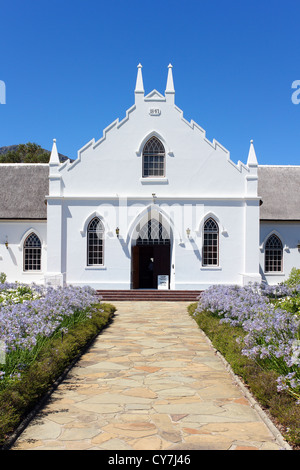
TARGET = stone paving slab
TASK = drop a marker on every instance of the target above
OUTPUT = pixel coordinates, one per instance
(150, 381)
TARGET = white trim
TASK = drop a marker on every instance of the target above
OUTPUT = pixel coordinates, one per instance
(97, 267)
(163, 198)
(154, 180)
(83, 231)
(26, 234)
(139, 151)
(262, 246)
(211, 268)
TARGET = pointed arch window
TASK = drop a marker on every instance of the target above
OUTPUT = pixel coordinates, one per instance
(153, 233)
(32, 253)
(210, 249)
(153, 158)
(95, 242)
(273, 254)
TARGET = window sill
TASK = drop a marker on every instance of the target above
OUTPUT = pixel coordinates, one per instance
(151, 180)
(211, 268)
(96, 267)
(274, 273)
(33, 272)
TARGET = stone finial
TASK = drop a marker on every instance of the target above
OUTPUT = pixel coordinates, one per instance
(252, 160)
(139, 87)
(54, 158)
(170, 82)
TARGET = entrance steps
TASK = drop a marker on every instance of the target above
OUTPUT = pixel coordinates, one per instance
(149, 294)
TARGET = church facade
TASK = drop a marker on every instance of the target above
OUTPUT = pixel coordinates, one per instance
(152, 204)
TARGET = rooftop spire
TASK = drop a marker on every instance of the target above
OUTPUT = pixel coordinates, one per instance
(252, 160)
(139, 87)
(54, 158)
(170, 82)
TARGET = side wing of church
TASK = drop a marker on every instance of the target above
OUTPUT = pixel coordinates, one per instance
(151, 203)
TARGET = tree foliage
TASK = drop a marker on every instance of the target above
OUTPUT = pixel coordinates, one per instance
(26, 153)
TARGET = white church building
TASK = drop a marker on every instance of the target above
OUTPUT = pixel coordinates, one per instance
(152, 203)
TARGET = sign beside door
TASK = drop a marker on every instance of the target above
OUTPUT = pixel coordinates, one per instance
(162, 281)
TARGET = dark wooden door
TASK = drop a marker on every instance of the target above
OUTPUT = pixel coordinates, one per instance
(135, 271)
(143, 275)
(162, 261)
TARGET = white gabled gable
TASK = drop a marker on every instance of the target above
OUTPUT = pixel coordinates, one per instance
(195, 166)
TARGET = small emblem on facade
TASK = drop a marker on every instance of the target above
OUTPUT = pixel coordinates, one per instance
(154, 112)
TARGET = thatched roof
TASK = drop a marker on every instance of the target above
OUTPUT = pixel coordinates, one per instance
(23, 188)
(279, 189)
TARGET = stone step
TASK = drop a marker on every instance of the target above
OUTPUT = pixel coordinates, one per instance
(149, 294)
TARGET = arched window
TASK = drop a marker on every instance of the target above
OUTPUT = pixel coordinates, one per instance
(273, 254)
(210, 250)
(153, 233)
(153, 158)
(95, 239)
(32, 253)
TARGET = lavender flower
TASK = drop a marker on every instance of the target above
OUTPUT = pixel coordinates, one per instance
(30, 313)
(271, 319)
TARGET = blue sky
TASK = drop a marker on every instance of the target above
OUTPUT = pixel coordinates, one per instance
(70, 69)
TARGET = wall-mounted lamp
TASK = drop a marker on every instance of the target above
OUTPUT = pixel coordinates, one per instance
(154, 197)
(6, 243)
(188, 231)
(117, 232)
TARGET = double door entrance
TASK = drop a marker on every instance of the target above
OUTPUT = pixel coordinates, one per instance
(149, 262)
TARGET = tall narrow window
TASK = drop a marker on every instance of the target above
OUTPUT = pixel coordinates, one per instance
(32, 253)
(210, 251)
(273, 254)
(153, 159)
(95, 238)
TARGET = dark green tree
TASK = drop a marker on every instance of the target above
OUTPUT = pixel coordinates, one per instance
(26, 153)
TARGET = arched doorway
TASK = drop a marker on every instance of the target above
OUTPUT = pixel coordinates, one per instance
(151, 256)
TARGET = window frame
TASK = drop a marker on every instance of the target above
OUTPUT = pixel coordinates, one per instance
(89, 246)
(154, 155)
(211, 245)
(273, 249)
(38, 249)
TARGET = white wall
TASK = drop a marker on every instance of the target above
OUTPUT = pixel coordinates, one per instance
(187, 271)
(11, 258)
(289, 234)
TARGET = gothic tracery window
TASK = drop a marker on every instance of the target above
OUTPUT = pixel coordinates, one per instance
(153, 158)
(273, 254)
(153, 233)
(32, 253)
(95, 242)
(210, 250)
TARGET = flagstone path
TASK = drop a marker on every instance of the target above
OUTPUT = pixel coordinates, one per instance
(150, 381)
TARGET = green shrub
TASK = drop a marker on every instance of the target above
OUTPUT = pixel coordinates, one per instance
(294, 278)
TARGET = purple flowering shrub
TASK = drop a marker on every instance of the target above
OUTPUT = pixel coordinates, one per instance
(271, 322)
(31, 314)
